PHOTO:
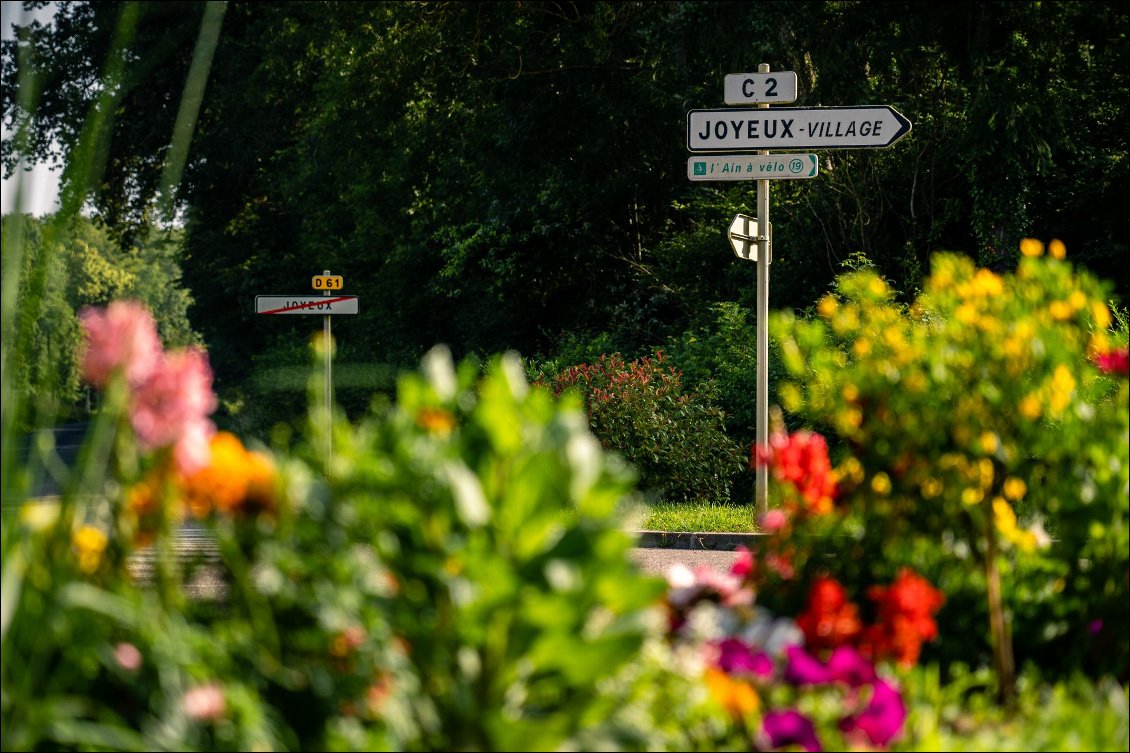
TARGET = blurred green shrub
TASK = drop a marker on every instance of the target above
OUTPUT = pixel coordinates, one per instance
(508, 617)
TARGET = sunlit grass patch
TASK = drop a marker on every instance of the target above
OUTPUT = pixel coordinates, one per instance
(699, 516)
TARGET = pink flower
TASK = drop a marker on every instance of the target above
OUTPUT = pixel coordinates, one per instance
(774, 520)
(193, 449)
(170, 393)
(122, 337)
(743, 563)
(728, 587)
(127, 656)
(171, 407)
(204, 703)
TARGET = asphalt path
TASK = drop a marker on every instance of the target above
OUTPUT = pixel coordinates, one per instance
(657, 561)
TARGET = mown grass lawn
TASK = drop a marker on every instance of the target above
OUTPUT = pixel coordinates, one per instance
(699, 517)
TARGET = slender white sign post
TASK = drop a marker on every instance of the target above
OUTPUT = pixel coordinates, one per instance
(327, 344)
(761, 492)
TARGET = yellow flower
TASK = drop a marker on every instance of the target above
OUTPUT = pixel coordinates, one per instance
(1015, 488)
(1031, 247)
(827, 306)
(971, 495)
(848, 419)
(851, 469)
(967, 314)
(877, 287)
(985, 283)
(916, 382)
(1005, 520)
(989, 442)
(1101, 314)
(1077, 300)
(1013, 348)
(1063, 385)
(881, 483)
(931, 487)
(1057, 249)
(862, 347)
(1060, 310)
(1099, 343)
(985, 469)
(850, 392)
(1030, 407)
(1003, 515)
(89, 543)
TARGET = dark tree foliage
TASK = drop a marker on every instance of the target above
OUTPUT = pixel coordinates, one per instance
(502, 175)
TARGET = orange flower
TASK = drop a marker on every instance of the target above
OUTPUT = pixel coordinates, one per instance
(235, 481)
(736, 696)
(436, 421)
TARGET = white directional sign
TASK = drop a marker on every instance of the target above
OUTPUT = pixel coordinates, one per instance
(305, 304)
(744, 238)
(748, 129)
(755, 88)
(752, 167)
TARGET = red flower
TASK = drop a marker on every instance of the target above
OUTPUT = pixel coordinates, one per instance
(829, 620)
(906, 611)
(801, 458)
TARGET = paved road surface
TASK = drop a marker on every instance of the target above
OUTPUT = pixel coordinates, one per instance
(657, 561)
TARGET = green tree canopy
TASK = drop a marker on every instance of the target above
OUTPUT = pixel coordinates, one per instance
(510, 175)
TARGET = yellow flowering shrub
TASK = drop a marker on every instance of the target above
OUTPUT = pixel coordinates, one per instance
(984, 419)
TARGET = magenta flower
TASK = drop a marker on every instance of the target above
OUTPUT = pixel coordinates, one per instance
(1114, 361)
(122, 337)
(846, 665)
(883, 718)
(735, 657)
(791, 727)
(802, 668)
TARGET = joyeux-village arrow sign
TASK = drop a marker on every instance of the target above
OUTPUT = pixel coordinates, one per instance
(738, 129)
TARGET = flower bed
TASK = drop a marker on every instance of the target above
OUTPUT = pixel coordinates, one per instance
(421, 588)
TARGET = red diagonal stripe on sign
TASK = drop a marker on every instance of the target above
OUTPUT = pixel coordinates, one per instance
(310, 305)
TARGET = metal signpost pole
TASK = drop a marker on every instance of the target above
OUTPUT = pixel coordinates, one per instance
(761, 492)
(327, 344)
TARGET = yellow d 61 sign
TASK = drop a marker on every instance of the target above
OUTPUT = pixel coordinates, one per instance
(329, 282)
